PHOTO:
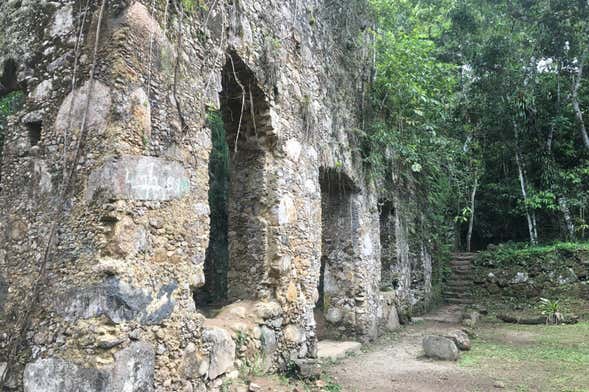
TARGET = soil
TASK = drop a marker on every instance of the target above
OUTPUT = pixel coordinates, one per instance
(396, 363)
(504, 357)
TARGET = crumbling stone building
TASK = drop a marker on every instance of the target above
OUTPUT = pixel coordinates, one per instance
(105, 217)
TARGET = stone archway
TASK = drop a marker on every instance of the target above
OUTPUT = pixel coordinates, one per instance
(236, 263)
(335, 307)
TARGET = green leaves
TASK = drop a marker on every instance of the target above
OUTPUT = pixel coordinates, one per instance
(460, 86)
(9, 105)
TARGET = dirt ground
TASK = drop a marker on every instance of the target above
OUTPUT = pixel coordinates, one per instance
(395, 363)
(504, 357)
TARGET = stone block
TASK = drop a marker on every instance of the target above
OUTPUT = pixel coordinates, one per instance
(73, 108)
(132, 372)
(118, 301)
(392, 322)
(308, 368)
(57, 375)
(221, 351)
(134, 369)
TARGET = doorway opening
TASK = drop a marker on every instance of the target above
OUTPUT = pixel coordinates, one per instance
(339, 220)
(236, 259)
(388, 243)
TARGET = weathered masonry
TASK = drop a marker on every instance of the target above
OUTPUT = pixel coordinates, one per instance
(107, 275)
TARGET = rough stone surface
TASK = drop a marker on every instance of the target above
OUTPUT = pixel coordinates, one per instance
(461, 340)
(57, 375)
(118, 301)
(139, 178)
(134, 369)
(221, 351)
(328, 349)
(303, 217)
(308, 368)
(132, 372)
(439, 347)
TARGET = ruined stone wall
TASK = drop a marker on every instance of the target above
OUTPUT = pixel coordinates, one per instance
(117, 93)
(349, 258)
(405, 249)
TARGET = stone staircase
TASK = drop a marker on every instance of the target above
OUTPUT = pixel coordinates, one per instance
(459, 284)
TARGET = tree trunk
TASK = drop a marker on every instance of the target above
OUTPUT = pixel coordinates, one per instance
(472, 207)
(534, 226)
(568, 220)
(531, 220)
(550, 139)
(575, 99)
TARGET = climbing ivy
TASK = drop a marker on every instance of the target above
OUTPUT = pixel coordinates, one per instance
(193, 5)
(9, 104)
(217, 255)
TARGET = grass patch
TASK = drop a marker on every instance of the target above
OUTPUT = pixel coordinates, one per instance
(552, 358)
(515, 253)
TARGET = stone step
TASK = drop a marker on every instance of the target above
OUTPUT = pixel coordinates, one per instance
(467, 268)
(464, 260)
(461, 266)
(456, 289)
(458, 301)
(465, 254)
(331, 349)
(456, 294)
(461, 274)
(459, 282)
(460, 262)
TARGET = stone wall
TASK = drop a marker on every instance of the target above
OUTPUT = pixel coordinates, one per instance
(523, 276)
(117, 93)
(350, 258)
(405, 250)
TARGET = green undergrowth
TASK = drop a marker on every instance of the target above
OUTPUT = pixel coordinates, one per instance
(540, 357)
(9, 105)
(518, 253)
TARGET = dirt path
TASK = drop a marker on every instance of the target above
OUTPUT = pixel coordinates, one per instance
(395, 363)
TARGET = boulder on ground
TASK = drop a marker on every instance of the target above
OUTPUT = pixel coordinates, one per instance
(440, 347)
(461, 340)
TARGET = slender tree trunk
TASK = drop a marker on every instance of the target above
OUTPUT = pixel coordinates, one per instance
(534, 226)
(562, 201)
(568, 220)
(575, 99)
(550, 139)
(472, 207)
(531, 220)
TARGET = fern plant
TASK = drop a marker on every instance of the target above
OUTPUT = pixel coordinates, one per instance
(552, 310)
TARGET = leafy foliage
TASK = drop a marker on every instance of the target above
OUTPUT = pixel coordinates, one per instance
(9, 104)
(551, 309)
(217, 255)
(462, 88)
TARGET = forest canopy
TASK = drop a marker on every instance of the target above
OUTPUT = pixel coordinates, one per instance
(485, 104)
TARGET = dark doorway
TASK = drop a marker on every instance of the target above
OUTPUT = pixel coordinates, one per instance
(339, 220)
(236, 259)
(214, 292)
